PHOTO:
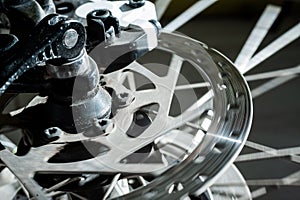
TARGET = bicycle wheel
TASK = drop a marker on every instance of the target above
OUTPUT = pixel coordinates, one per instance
(194, 80)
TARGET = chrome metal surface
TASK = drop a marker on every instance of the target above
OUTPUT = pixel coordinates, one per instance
(70, 38)
(216, 144)
(168, 133)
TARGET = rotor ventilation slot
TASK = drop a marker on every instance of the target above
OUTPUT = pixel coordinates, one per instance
(137, 82)
(149, 60)
(219, 147)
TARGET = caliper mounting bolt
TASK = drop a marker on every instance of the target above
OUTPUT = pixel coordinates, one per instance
(136, 3)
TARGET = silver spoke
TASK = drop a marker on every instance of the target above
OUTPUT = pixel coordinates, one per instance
(161, 7)
(262, 182)
(257, 146)
(269, 154)
(112, 186)
(189, 14)
(291, 180)
(274, 83)
(62, 183)
(253, 77)
(257, 35)
(274, 74)
(142, 180)
(122, 187)
(259, 192)
(263, 148)
(192, 86)
(275, 46)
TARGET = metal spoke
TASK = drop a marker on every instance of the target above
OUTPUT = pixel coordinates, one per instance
(192, 86)
(274, 74)
(257, 146)
(112, 186)
(290, 180)
(253, 77)
(275, 46)
(161, 7)
(63, 183)
(142, 180)
(122, 186)
(259, 192)
(263, 148)
(269, 154)
(257, 35)
(274, 83)
(189, 14)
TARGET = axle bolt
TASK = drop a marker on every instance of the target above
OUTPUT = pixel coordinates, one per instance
(70, 38)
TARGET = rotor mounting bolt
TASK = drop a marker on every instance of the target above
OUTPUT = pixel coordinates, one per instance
(136, 3)
(106, 125)
(100, 127)
(70, 38)
(124, 99)
(52, 133)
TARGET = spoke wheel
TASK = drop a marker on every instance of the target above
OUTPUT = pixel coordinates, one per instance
(176, 132)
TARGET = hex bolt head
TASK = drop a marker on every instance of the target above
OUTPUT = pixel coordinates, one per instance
(102, 14)
(136, 3)
(100, 127)
(53, 132)
(70, 38)
(124, 99)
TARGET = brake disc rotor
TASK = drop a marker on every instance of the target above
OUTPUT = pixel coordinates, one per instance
(184, 151)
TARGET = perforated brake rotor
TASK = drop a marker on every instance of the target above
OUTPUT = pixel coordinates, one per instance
(184, 153)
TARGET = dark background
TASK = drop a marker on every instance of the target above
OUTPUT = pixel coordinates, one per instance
(226, 26)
